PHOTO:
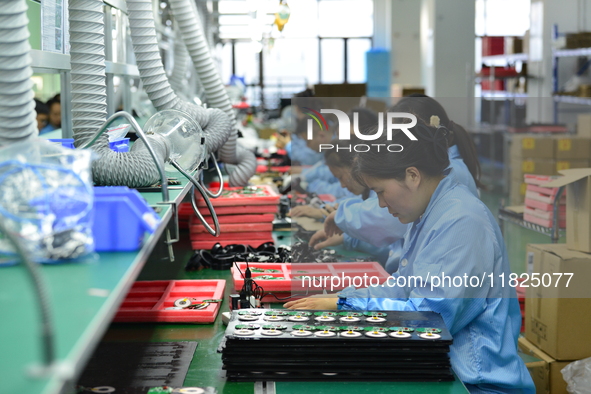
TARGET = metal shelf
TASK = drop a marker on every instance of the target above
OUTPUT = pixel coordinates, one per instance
(119, 4)
(573, 100)
(502, 95)
(130, 70)
(572, 52)
(45, 60)
(553, 232)
(512, 58)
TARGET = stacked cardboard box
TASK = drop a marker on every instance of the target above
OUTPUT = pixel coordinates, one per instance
(546, 375)
(557, 310)
(544, 155)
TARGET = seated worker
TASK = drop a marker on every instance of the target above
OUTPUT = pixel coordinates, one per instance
(453, 233)
(324, 182)
(366, 221)
(341, 165)
(55, 115)
(295, 145)
(42, 114)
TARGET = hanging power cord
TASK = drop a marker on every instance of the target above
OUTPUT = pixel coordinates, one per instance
(47, 332)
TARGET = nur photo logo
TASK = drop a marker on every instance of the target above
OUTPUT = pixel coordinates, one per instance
(346, 129)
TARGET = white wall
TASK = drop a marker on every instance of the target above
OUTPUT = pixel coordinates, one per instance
(405, 42)
(447, 47)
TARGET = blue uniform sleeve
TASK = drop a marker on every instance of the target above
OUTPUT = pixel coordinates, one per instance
(460, 248)
(366, 221)
(318, 171)
(288, 149)
(300, 152)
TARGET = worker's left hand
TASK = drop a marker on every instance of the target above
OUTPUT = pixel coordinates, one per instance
(335, 240)
(320, 301)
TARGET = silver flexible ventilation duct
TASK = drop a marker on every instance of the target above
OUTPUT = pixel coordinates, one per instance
(89, 105)
(214, 122)
(185, 14)
(17, 108)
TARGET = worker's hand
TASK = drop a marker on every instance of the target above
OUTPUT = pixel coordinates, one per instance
(282, 140)
(319, 236)
(307, 211)
(330, 227)
(320, 301)
(335, 240)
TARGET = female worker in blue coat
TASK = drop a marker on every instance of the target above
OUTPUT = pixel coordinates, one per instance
(366, 221)
(452, 233)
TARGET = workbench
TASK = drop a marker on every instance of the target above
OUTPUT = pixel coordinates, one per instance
(84, 297)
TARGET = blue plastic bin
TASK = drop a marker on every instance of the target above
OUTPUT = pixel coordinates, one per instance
(121, 218)
(121, 145)
(66, 142)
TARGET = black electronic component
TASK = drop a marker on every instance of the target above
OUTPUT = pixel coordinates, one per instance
(408, 346)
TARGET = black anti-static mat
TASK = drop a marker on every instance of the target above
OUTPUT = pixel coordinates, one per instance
(134, 367)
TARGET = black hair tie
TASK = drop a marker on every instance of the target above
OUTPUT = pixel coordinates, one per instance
(439, 139)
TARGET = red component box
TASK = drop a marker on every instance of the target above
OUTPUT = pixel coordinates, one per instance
(251, 195)
(288, 277)
(147, 301)
(235, 219)
(226, 228)
(208, 244)
(240, 209)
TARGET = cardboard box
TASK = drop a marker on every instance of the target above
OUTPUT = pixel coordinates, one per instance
(578, 207)
(584, 125)
(546, 375)
(533, 147)
(544, 167)
(572, 148)
(557, 316)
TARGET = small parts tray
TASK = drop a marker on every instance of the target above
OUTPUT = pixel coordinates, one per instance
(249, 195)
(147, 301)
(280, 277)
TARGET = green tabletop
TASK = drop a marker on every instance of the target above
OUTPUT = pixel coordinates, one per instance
(83, 295)
(206, 367)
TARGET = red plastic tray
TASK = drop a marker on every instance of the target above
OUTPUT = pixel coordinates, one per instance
(233, 237)
(543, 197)
(198, 245)
(262, 168)
(240, 209)
(547, 215)
(235, 228)
(236, 219)
(147, 301)
(289, 271)
(544, 206)
(267, 196)
(546, 191)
